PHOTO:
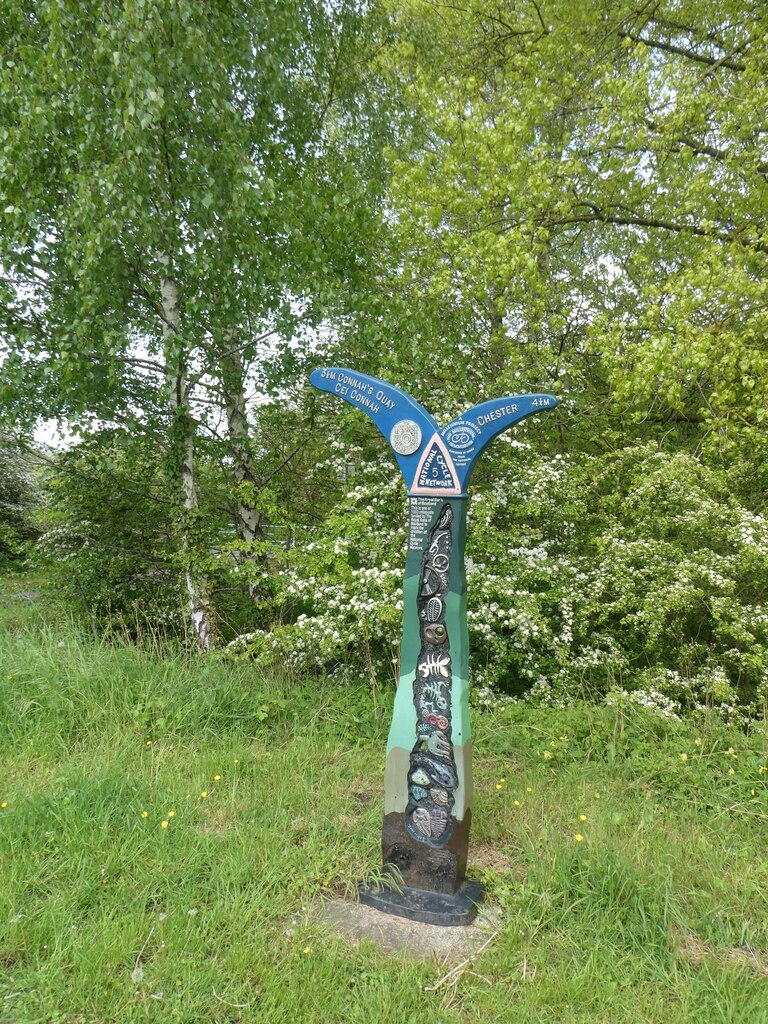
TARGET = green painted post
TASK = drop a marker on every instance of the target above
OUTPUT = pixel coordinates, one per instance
(428, 776)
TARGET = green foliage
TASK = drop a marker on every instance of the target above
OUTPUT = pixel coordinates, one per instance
(110, 537)
(465, 200)
(19, 496)
(582, 202)
(179, 188)
(108, 542)
(339, 589)
(167, 137)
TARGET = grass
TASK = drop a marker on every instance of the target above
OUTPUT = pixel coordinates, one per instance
(659, 913)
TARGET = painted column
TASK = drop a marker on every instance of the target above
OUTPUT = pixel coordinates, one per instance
(428, 776)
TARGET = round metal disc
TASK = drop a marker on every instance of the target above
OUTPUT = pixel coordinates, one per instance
(405, 437)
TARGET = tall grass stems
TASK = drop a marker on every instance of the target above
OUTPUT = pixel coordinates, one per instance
(167, 823)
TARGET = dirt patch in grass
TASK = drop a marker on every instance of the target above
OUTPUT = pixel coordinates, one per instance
(697, 952)
(363, 795)
(484, 857)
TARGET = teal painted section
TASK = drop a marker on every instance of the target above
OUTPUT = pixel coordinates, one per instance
(403, 729)
(402, 732)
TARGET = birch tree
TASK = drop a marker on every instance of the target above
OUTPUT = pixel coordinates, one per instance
(173, 174)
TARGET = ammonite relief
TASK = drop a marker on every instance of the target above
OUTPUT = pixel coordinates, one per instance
(432, 775)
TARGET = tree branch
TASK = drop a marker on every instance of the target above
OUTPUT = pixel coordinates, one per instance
(683, 51)
(702, 149)
(629, 218)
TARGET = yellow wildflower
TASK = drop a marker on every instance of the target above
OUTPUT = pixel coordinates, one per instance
(307, 950)
(145, 814)
(578, 837)
(582, 817)
(171, 814)
(4, 803)
(697, 741)
(517, 803)
(163, 824)
(547, 755)
(217, 778)
(528, 789)
(683, 757)
(498, 785)
(731, 771)
(204, 794)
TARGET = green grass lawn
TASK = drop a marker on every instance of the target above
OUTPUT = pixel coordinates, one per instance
(166, 824)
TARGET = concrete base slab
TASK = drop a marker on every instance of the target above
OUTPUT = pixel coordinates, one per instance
(357, 923)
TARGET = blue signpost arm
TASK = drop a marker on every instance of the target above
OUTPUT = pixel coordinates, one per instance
(469, 434)
(403, 422)
(434, 461)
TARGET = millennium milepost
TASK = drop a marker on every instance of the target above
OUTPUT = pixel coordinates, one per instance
(428, 774)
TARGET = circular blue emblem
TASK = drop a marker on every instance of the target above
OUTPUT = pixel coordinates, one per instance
(461, 437)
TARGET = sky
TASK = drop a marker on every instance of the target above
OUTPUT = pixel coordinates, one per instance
(52, 434)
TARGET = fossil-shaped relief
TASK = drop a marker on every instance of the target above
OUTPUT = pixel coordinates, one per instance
(432, 775)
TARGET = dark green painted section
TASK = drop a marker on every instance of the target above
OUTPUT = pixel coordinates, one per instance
(423, 515)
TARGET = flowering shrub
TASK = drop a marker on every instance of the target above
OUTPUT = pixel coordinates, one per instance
(637, 572)
(633, 572)
(340, 585)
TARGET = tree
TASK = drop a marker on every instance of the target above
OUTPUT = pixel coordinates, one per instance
(589, 189)
(179, 185)
(573, 211)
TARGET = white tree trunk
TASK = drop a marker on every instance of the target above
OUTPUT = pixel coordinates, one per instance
(178, 393)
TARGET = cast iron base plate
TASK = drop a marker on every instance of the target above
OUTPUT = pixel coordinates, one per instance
(448, 909)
